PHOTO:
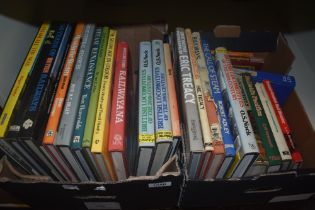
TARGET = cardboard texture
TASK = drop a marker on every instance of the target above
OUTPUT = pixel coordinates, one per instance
(168, 188)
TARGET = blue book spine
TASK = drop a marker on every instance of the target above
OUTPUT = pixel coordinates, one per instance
(218, 99)
(86, 93)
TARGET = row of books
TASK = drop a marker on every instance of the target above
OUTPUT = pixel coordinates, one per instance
(73, 113)
(245, 132)
(57, 121)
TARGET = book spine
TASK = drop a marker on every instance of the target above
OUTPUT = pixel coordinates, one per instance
(101, 127)
(91, 115)
(57, 107)
(245, 141)
(275, 127)
(118, 119)
(172, 96)
(23, 77)
(146, 111)
(71, 106)
(163, 129)
(296, 155)
(19, 110)
(78, 132)
(207, 137)
(192, 129)
(218, 99)
(261, 121)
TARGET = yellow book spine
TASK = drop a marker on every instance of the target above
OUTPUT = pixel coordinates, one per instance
(234, 165)
(101, 127)
(21, 79)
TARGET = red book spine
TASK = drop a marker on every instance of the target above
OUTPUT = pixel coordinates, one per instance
(117, 135)
(296, 155)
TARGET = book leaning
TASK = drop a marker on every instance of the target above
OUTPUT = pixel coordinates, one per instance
(245, 143)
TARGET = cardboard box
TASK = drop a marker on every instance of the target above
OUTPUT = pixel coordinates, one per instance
(159, 191)
(270, 188)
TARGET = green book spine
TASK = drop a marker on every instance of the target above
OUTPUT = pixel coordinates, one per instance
(89, 126)
(262, 124)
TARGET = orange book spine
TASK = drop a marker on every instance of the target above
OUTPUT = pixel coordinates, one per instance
(54, 117)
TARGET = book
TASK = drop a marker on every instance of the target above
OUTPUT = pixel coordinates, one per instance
(245, 143)
(283, 85)
(172, 98)
(212, 112)
(250, 63)
(204, 121)
(78, 132)
(71, 106)
(271, 151)
(54, 117)
(101, 127)
(146, 137)
(118, 119)
(297, 159)
(275, 127)
(192, 135)
(22, 78)
(163, 126)
(226, 132)
(91, 113)
(26, 131)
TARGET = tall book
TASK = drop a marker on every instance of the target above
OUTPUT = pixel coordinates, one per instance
(91, 112)
(101, 127)
(194, 146)
(163, 125)
(204, 121)
(25, 75)
(226, 132)
(245, 143)
(146, 138)
(118, 120)
(22, 78)
(77, 137)
(275, 127)
(212, 112)
(57, 106)
(172, 98)
(263, 127)
(71, 106)
(297, 159)
(31, 118)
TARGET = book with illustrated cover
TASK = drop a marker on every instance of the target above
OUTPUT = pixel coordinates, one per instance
(192, 135)
(245, 142)
(212, 112)
(118, 120)
(146, 121)
(226, 132)
(297, 159)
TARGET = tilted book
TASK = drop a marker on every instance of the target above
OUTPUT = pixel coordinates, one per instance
(260, 120)
(91, 112)
(146, 122)
(275, 127)
(194, 146)
(245, 142)
(297, 159)
(101, 127)
(226, 132)
(78, 132)
(213, 118)
(163, 126)
(35, 103)
(118, 119)
(57, 106)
